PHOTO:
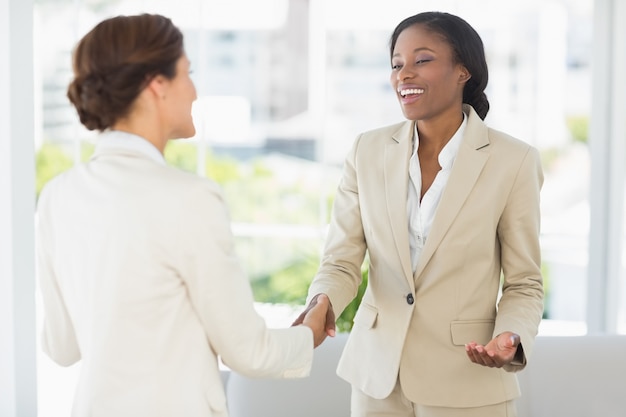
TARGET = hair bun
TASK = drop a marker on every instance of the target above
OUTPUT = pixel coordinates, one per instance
(92, 86)
(91, 99)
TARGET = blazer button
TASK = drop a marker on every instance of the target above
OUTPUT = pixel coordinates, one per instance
(410, 299)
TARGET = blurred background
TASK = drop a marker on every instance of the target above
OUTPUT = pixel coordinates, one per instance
(284, 87)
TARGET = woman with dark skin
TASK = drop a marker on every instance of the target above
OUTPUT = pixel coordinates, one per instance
(443, 206)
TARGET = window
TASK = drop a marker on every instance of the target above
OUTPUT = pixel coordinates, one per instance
(283, 94)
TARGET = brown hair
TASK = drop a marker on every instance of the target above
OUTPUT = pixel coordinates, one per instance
(116, 60)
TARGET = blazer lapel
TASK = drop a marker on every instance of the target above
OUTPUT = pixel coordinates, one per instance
(468, 164)
(396, 174)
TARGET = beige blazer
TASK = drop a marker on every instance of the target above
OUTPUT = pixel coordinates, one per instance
(140, 282)
(414, 326)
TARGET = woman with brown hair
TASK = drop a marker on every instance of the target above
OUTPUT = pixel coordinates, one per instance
(137, 268)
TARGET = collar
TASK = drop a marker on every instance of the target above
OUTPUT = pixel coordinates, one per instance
(448, 153)
(115, 139)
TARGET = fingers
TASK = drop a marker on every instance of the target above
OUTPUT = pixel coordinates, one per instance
(481, 356)
(300, 318)
(330, 320)
(316, 317)
(495, 354)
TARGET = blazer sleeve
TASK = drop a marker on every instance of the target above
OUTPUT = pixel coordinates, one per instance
(520, 308)
(339, 275)
(222, 297)
(58, 336)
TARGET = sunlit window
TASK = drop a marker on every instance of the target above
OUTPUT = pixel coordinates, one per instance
(283, 90)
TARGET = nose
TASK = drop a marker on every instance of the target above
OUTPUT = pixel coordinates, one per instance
(404, 73)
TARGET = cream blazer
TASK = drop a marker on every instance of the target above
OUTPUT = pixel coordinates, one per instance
(140, 282)
(413, 326)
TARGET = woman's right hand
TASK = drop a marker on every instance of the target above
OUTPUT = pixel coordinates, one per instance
(319, 317)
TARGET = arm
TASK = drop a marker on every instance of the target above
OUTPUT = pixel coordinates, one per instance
(58, 337)
(221, 295)
(521, 306)
(339, 275)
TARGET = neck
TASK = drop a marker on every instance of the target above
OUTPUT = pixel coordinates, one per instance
(435, 133)
(143, 128)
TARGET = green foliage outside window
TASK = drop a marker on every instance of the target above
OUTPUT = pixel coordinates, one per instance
(184, 155)
(289, 285)
(579, 128)
(346, 319)
(51, 160)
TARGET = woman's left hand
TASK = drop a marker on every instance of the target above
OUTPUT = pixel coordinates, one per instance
(500, 351)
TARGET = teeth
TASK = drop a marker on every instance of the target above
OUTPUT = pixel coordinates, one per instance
(411, 91)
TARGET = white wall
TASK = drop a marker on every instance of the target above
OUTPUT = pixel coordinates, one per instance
(17, 200)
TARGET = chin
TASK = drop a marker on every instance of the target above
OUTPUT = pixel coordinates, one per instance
(410, 115)
(414, 115)
(191, 133)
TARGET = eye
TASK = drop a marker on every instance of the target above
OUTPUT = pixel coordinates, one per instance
(396, 66)
(423, 61)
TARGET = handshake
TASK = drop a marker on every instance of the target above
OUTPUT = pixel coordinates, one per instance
(319, 317)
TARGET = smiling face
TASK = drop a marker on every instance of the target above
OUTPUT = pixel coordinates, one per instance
(427, 80)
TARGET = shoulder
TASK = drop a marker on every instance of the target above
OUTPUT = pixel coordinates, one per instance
(55, 185)
(190, 185)
(512, 150)
(507, 142)
(513, 155)
(481, 136)
(190, 179)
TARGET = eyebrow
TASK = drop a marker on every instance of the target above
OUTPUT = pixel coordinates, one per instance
(417, 50)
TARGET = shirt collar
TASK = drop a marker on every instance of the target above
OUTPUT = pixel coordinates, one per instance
(448, 153)
(129, 141)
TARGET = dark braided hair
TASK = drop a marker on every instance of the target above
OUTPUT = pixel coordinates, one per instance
(467, 48)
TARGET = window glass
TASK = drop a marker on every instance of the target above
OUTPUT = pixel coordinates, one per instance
(283, 90)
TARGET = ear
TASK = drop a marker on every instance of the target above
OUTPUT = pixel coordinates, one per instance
(464, 75)
(158, 86)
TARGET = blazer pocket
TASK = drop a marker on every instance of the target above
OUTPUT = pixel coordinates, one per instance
(466, 331)
(366, 316)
